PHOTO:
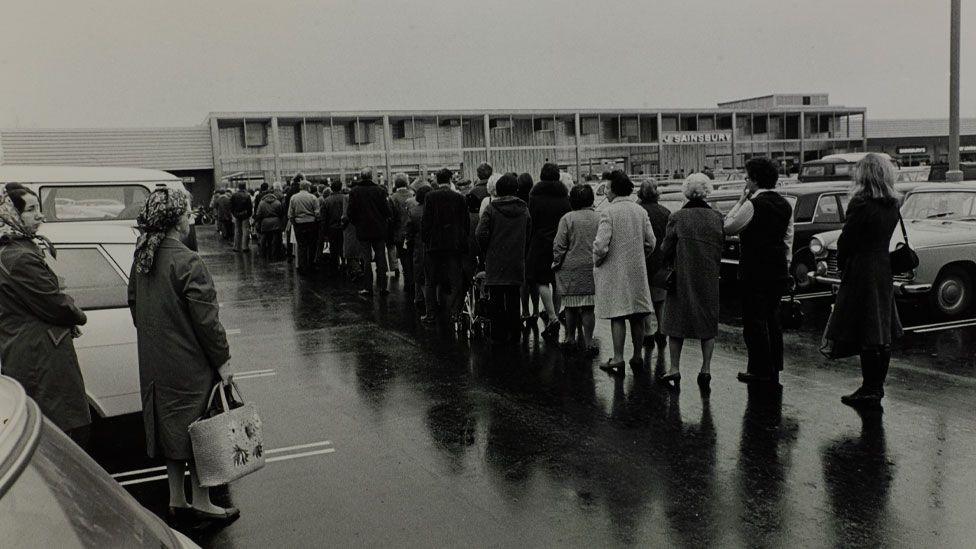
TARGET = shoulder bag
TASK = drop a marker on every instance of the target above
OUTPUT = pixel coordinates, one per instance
(903, 258)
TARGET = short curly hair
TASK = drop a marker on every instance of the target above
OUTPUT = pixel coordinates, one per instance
(620, 184)
(697, 185)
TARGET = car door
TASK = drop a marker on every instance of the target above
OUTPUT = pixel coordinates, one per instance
(106, 349)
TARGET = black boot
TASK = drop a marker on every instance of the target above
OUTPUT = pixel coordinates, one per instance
(870, 392)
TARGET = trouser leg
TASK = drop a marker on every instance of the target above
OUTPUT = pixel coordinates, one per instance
(755, 333)
(407, 261)
(775, 331)
(379, 252)
(455, 281)
(238, 235)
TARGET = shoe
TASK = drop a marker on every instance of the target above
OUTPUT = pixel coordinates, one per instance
(229, 514)
(613, 368)
(671, 381)
(863, 398)
(746, 377)
(180, 513)
(551, 332)
(704, 383)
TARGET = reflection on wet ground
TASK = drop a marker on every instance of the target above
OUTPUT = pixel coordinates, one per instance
(440, 442)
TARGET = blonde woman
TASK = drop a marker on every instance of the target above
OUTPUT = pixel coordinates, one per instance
(864, 316)
(693, 246)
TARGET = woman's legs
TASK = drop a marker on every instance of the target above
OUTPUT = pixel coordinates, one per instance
(545, 292)
(637, 335)
(572, 322)
(707, 347)
(589, 322)
(201, 495)
(175, 471)
(618, 332)
(676, 344)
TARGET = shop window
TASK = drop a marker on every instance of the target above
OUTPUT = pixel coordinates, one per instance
(806, 99)
(760, 125)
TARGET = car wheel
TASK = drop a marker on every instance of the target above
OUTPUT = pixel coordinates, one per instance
(952, 293)
(801, 274)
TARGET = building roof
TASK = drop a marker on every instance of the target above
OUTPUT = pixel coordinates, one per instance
(916, 127)
(80, 174)
(179, 148)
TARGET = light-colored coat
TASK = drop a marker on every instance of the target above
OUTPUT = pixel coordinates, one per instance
(624, 240)
(693, 245)
(181, 345)
(572, 252)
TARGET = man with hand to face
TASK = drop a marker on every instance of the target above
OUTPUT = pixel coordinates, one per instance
(764, 222)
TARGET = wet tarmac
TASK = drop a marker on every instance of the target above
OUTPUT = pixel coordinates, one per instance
(382, 433)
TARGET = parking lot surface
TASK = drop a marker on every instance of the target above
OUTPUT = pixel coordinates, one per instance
(380, 432)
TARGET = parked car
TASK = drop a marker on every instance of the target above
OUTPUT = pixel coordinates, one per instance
(834, 167)
(93, 263)
(941, 224)
(72, 194)
(53, 495)
(937, 172)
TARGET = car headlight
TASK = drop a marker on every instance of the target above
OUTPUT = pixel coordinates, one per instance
(821, 268)
(817, 247)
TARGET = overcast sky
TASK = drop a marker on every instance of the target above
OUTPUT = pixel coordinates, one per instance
(140, 63)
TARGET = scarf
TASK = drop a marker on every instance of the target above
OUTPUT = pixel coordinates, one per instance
(12, 226)
(162, 212)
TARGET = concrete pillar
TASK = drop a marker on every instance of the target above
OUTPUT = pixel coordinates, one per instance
(275, 149)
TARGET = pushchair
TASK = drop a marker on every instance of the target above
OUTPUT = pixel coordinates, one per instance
(473, 321)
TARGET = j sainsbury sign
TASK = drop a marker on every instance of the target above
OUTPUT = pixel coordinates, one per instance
(672, 138)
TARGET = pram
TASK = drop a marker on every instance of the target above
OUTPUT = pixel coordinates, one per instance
(473, 322)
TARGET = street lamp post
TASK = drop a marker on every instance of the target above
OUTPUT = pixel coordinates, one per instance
(954, 174)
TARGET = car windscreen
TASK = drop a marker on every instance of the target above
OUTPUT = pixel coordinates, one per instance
(89, 278)
(92, 202)
(818, 170)
(64, 499)
(940, 205)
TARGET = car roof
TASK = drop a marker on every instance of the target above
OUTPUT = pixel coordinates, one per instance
(842, 158)
(87, 232)
(944, 187)
(81, 174)
(15, 427)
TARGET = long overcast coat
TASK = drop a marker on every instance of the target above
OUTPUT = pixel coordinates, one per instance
(624, 239)
(693, 245)
(36, 347)
(181, 345)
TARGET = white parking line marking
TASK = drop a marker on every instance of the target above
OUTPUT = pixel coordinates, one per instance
(268, 460)
(269, 452)
(233, 331)
(921, 327)
(942, 328)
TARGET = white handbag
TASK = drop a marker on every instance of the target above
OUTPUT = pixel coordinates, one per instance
(228, 445)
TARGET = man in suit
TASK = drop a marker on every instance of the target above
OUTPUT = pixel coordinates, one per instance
(445, 230)
(764, 222)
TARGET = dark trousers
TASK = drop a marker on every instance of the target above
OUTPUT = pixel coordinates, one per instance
(504, 310)
(874, 369)
(331, 259)
(376, 249)
(760, 327)
(271, 246)
(444, 273)
(227, 229)
(306, 235)
(406, 259)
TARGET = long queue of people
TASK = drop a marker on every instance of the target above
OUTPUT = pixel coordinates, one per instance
(530, 242)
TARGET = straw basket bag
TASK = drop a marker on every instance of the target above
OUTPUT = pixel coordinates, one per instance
(227, 444)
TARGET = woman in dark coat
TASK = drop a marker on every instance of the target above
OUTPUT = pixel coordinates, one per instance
(37, 320)
(548, 203)
(864, 317)
(415, 244)
(693, 245)
(267, 218)
(182, 346)
(659, 215)
(525, 184)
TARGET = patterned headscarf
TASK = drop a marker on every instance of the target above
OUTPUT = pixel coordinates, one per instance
(162, 212)
(12, 226)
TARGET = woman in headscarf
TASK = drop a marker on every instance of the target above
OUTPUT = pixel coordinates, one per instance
(37, 320)
(183, 348)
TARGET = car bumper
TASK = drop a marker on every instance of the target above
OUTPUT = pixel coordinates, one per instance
(901, 287)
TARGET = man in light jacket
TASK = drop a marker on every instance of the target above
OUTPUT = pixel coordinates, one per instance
(303, 213)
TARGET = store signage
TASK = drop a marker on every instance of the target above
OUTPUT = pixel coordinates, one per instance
(188, 179)
(911, 150)
(674, 138)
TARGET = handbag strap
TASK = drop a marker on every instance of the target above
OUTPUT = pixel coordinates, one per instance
(218, 388)
(904, 232)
